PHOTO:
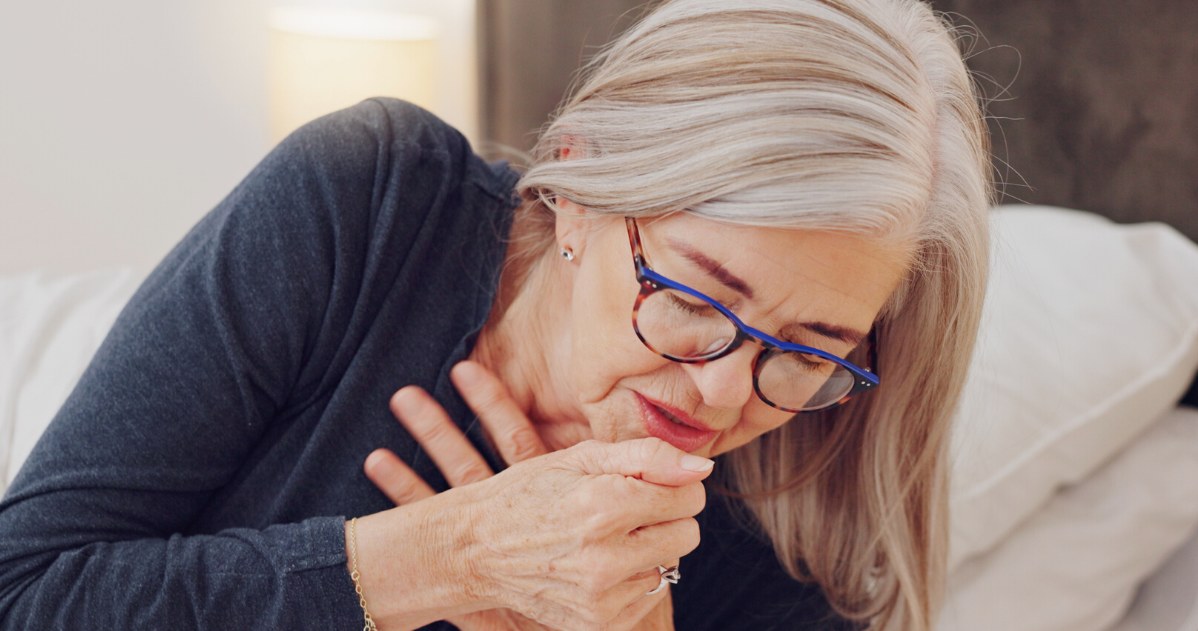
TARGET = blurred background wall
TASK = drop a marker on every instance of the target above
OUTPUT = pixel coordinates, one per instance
(1091, 102)
(122, 122)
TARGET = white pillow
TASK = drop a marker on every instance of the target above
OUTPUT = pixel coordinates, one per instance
(1168, 600)
(1089, 332)
(1077, 562)
(50, 326)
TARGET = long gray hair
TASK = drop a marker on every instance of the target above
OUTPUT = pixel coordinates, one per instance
(855, 116)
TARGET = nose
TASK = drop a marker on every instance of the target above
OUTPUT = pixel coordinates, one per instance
(728, 381)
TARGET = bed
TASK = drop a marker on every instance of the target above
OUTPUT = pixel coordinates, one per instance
(1074, 467)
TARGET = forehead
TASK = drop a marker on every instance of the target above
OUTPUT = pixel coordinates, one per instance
(837, 277)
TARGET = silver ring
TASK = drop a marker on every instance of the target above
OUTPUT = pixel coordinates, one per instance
(669, 575)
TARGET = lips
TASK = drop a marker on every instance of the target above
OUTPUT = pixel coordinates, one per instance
(673, 425)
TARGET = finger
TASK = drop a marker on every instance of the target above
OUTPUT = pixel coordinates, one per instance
(394, 478)
(513, 434)
(621, 504)
(493, 620)
(649, 459)
(477, 621)
(441, 439)
(630, 601)
(662, 544)
(646, 611)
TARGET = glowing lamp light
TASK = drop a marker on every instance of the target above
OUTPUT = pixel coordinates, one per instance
(326, 59)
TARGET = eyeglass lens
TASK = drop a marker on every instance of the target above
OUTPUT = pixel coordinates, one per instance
(683, 327)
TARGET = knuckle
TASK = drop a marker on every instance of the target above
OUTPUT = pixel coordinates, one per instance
(690, 536)
(696, 499)
(653, 447)
(471, 472)
(586, 497)
(606, 612)
(524, 443)
(595, 518)
(429, 431)
(488, 395)
(402, 490)
(593, 618)
(662, 449)
(600, 524)
(408, 496)
(603, 575)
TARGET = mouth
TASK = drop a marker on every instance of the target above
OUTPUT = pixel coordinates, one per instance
(673, 425)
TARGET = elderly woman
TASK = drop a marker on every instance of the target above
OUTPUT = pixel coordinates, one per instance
(754, 234)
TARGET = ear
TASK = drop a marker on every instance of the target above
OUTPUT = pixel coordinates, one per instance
(571, 225)
(572, 220)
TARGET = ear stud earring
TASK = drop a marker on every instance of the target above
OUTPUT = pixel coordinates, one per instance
(568, 254)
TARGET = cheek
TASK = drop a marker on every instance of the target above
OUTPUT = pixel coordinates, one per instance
(603, 346)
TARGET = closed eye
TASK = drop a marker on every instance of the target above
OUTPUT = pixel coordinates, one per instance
(814, 363)
(697, 307)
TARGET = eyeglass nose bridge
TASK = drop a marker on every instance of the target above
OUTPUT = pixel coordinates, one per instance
(763, 354)
(744, 333)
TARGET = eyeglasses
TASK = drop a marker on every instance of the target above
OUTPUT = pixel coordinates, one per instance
(684, 325)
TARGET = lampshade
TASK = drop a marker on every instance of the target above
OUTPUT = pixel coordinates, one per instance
(325, 59)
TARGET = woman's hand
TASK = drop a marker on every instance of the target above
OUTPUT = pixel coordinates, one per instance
(607, 547)
(511, 433)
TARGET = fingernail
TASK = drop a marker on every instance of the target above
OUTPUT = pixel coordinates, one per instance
(465, 373)
(696, 463)
(405, 397)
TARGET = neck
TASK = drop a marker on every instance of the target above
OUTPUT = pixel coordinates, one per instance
(525, 343)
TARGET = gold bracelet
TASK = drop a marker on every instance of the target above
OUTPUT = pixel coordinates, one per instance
(354, 574)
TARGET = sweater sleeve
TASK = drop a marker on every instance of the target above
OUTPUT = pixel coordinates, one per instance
(219, 342)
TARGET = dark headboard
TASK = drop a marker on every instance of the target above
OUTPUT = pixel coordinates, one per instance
(1101, 111)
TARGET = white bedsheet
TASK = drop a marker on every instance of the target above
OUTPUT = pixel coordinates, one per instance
(50, 326)
(1168, 601)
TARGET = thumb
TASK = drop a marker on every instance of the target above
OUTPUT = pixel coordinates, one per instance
(649, 459)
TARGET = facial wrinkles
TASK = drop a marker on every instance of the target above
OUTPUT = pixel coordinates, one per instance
(821, 295)
(821, 292)
(791, 281)
(761, 311)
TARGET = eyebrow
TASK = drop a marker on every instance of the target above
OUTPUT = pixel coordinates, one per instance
(717, 271)
(848, 335)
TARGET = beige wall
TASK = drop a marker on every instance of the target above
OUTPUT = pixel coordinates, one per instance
(122, 122)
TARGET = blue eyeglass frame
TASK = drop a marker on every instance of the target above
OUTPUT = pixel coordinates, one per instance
(652, 282)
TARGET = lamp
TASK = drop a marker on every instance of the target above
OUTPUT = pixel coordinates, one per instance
(325, 59)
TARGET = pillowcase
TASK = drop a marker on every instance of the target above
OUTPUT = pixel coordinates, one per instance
(1088, 334)
(1168, 600)
(50, 326)
(1077, 562)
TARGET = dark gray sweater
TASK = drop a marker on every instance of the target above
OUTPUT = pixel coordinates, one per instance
(199, 475)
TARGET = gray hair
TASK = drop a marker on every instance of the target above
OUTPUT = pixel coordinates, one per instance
(839, 115)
